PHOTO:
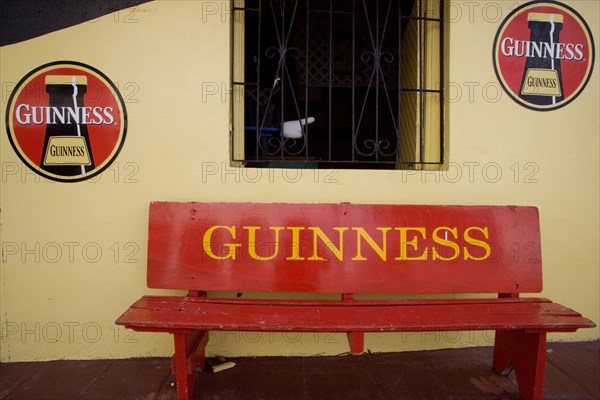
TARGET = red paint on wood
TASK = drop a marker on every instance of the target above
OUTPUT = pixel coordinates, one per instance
(185, 380)
(357, 343)
(348, 249)
(359, 248)
(169, 313)
(527, 353)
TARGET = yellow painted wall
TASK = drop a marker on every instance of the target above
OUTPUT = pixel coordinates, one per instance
(74, 254)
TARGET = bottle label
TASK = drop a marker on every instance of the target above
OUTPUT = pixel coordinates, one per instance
(543, 55)
(541, 82)
(67, 150)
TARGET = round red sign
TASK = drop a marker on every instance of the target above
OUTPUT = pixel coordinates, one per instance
(66, 121)
(544, 55)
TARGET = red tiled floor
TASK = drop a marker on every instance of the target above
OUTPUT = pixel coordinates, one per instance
(573, 373)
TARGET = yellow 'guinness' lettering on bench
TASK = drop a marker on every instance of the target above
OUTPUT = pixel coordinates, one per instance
(446, 243)
(380, 250)
(478, 243)
(338, 251)
(405, 243)
(312, 243)
(231, 246)
(252, 242)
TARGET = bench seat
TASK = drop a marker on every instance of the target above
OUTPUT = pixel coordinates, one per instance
(170, 314)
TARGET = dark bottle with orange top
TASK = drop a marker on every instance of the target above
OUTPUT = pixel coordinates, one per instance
(66, 150)
(542, 76)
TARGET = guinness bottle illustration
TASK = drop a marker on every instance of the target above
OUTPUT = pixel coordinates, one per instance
(66, 149)
(542, 76)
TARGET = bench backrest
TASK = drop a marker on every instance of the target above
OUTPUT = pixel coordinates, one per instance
(344, 248)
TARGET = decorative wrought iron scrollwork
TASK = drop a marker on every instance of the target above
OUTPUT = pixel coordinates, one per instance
(375, 57)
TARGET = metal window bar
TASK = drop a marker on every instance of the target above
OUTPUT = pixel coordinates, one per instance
(297, 66)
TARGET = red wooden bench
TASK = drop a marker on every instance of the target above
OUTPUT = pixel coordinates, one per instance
(350, 249)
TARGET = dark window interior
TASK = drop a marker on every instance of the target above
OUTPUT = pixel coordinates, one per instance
(322, 82)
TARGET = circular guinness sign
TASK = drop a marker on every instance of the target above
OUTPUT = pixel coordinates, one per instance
(66, 121)
(543, 55)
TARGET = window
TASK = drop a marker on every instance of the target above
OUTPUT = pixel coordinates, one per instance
(338, 83)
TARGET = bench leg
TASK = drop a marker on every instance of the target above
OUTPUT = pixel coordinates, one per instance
(527, 353)
(357, 343)
(189, 353)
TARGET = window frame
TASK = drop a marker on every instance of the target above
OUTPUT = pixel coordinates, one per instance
(426, 87)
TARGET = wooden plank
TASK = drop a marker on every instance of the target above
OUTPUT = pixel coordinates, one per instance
(344, 248)
(178, 303)
(551, 309)
(170, 314)
(341, 303)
